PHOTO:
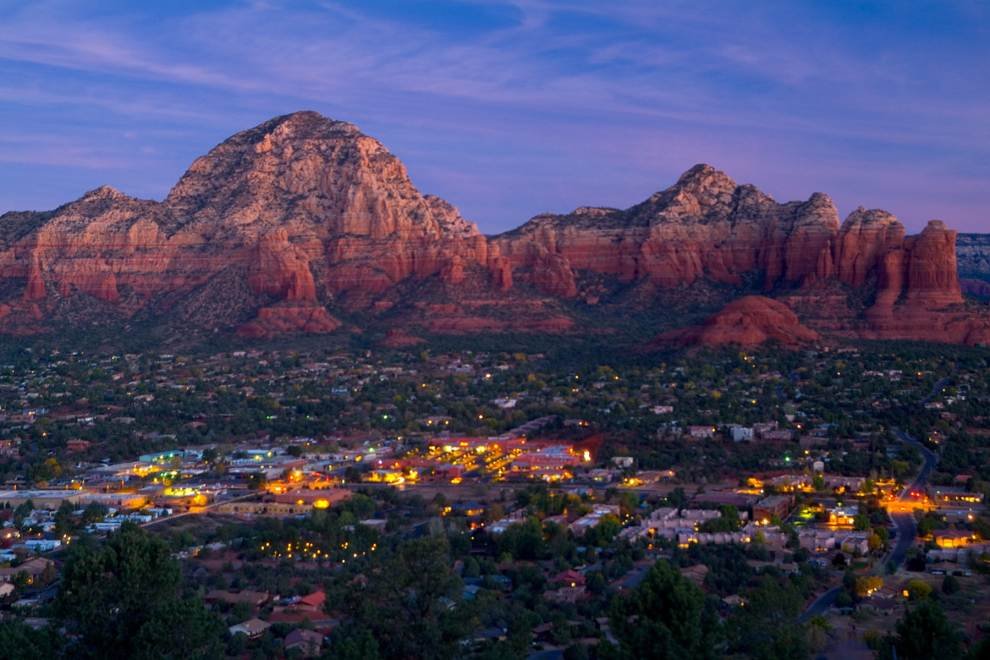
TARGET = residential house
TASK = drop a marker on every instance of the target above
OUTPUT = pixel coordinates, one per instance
(307, 643)
(253, 628)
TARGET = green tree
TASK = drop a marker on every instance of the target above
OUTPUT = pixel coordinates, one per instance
(665, 617)
(408, 604)
(352, 644)
(64, 522)
(918, 589)
(123, 598)
(767, 626)
(22, 511)
(181, 629)
(924, 632)
(21, 642)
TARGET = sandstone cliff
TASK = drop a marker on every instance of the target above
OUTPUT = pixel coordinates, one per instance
(287, 226)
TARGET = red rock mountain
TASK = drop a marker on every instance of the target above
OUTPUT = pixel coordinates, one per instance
(747, 321)
(301, 221)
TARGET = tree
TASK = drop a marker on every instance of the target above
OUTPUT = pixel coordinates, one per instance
(408, 604)
(866, 585)
(64, 522)
(950, 585)
(122, 599)
(19, 641)
(918, 589)
(925, 632)
(181, 629)
(665, 617)
(767, 626)
(818, 631)
(94, 512)
(523, 540)
(22, 511)
(354, 645)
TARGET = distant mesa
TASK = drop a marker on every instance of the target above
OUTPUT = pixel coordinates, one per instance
(302, 220)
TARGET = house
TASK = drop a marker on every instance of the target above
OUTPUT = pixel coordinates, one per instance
(701, 432)
(623, 462)
(843, 516)
(856, 543)
(816, 541)
(570, 578)
(948, 495)
(598, 511)
(32, 568)
(308, 643)
(313, 602)
(565, 595)
(77, 445)
(252, 628)
(769, 507)
(953, 538)
(741, 433)
(42, 545)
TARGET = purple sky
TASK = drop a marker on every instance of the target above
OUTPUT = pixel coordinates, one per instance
(510, 108)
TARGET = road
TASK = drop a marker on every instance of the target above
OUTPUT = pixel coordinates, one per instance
(906, 526)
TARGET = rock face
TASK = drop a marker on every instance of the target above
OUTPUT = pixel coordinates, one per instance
(748, 321)
(284, 227)
(301, 209)
(703, 227)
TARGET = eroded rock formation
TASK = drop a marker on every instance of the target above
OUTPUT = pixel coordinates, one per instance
(285, 226)
(747, 321)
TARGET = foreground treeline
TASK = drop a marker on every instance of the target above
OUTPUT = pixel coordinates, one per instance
(125, 598)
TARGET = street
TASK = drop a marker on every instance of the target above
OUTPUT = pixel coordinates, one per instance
(906, 526)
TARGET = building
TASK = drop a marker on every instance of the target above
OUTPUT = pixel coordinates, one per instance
(701, 432)
(41, 499)
(165, 457)
(775, 505)
(955, 496)
(953, 538)
(592, 519)
(741, 433)
(42, 545)
(307, 643)
(843, 516)
(252, 628)
(292, 503)
(32, 568)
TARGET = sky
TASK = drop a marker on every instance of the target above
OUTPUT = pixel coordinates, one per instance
(509, 108)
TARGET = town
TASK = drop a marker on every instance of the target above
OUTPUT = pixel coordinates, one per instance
(828, 488)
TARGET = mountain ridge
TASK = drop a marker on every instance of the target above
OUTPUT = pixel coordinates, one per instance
(291, 225)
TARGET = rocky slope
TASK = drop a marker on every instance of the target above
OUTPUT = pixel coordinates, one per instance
(748, 321)
(302, 221)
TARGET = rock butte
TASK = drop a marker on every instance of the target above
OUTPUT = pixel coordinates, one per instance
(748, 321)
(283, 226)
